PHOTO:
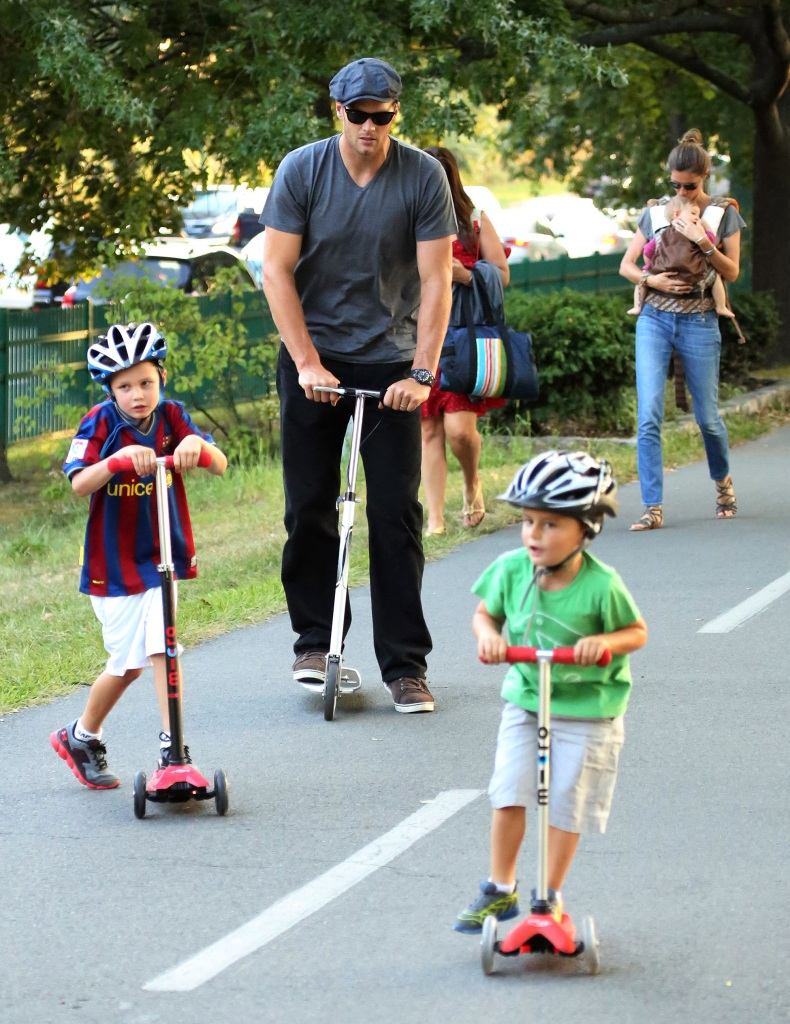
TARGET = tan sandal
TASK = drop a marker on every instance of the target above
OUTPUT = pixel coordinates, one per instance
(437, 531)
(475, 511)
(726, 504)
(651, 519)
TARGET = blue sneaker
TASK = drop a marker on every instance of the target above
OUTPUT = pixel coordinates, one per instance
(502, 905)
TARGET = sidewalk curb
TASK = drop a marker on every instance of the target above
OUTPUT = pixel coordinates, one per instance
(776, 393)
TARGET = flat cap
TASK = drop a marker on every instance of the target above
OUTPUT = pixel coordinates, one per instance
(366, 79)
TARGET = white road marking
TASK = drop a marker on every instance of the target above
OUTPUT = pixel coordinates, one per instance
(301, 903)
(751, 606)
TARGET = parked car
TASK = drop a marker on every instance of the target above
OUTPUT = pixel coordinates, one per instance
(584, 229)
(574, 223)
(225, 213)
(252, 254)
(18, 279)
(246, 227)
(173, 263)
(517, 231)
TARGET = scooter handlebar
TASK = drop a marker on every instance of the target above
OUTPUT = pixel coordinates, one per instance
(119, 463)
(351, 392)
(559, 655)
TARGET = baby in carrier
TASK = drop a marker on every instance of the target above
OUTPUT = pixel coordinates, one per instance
(672, 252)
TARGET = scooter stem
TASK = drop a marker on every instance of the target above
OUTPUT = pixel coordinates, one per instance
(544, 659)
(166, 570)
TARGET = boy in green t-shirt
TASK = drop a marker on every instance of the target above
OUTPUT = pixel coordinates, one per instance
(552, 593)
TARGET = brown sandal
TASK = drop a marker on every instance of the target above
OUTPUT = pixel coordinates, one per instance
(652, 519)
(726, 505)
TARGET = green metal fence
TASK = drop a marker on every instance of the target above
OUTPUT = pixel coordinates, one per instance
(587, 274)
(42, 352)
(42, 362)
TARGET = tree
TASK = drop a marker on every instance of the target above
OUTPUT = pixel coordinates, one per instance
(723, 67)
(100, 101)
(111, 113)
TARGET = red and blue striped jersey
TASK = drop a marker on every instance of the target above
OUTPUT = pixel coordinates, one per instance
(121, 551)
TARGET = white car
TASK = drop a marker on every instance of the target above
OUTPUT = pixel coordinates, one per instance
(17, 285)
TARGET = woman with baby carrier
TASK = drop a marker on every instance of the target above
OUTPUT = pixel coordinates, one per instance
(673, 320)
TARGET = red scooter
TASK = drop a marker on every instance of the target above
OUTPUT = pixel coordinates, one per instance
(180, 781)
(540, 932)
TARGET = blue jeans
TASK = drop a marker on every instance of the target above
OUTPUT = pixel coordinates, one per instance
(696, 339)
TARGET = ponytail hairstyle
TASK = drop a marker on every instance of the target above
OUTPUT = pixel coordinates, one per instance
(462, 204)
(689, 155)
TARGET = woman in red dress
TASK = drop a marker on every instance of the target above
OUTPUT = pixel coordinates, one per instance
(447, 417)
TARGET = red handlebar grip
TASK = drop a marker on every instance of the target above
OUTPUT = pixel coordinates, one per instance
(119, 463)
(559, 655)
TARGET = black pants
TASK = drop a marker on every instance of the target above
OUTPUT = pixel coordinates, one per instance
(312, 435)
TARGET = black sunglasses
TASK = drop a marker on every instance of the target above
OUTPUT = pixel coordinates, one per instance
(380, 117)
(685, 185)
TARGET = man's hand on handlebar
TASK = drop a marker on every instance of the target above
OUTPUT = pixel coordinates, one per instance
(405, 395)
(318, 376)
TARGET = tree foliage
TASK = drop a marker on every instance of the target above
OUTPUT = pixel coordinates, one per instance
(100, 101)
(112, 113)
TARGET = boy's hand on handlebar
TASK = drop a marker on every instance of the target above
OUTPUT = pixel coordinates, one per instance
(143, 459)
(589, 650)
(186, 455)
(314, 376)
(492, 649)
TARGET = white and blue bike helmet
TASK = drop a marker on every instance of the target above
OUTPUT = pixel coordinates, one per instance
(573, 484)
(125, 345)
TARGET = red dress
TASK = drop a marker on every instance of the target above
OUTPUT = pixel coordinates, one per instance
(440, 402)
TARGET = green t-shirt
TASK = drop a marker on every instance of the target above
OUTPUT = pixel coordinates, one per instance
(597, 601)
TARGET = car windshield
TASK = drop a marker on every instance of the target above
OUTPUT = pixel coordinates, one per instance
(212, 203)
(162, 271)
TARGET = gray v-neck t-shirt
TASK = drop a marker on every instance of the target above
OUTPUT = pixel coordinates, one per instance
(357, 273)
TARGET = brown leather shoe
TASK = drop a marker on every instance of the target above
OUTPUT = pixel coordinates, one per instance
(411, 694)
(310, 670)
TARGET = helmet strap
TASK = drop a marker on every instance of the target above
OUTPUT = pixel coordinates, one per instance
(541, 571)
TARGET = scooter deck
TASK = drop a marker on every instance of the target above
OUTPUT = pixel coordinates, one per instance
(542, 933)
(183, 779)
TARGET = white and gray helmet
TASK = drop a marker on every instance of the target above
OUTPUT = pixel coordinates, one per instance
(125, 345)
(571, 483)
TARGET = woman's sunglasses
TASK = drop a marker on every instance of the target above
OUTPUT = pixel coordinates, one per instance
(687, 186)
(380, 117)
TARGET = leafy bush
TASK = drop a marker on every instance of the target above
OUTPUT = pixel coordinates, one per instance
(584, 348)
(210, 360)
(758, 317)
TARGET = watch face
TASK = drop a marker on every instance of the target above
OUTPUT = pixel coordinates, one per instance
(423, 377)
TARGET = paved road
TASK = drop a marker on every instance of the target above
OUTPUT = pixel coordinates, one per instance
(688, 888)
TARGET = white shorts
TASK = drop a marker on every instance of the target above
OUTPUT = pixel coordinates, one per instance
(133, 628)
(584, 755)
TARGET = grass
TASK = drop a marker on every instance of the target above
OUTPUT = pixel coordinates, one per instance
(50, 641)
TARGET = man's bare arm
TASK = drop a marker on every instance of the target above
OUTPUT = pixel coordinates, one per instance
(281, 252)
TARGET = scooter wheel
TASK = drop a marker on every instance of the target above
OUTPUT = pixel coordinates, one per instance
(140, 782)
(591, 956)
(221, 792)
(330, 690)
(488, 944)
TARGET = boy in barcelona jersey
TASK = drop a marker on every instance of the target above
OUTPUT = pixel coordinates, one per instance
(121, 550)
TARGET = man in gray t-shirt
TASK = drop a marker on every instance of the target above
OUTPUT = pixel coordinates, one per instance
(357, 273)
